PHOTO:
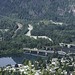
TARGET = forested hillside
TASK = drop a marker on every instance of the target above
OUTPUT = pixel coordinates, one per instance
(52, 18)
(32, 9)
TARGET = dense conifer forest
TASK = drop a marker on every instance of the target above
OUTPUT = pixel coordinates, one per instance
(52, 18)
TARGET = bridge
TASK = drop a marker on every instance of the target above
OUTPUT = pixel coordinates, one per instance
(43, 51)
(58, 49)
(48, 48)
(67, 45)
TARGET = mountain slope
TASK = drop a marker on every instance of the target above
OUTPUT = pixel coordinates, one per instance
(52, 18)
(29, 9)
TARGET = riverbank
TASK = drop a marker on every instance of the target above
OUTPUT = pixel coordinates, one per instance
(10, 52)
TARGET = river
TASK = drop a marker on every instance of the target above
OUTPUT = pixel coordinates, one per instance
(17, 59)
(13, 59)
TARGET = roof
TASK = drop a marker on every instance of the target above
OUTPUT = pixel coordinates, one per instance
(54, 59)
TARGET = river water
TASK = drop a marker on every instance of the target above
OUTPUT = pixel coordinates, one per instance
(6, 60)
(13, 59)
(17, 58)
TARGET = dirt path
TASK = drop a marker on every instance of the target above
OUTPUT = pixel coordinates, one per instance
(58, 23)
(19, 27)
(30, 28)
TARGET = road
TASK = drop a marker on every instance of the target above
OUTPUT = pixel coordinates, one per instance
(19, 27)
(30, 28)
(44, 51)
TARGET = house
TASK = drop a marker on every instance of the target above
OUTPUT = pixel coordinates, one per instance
(47, 66)
(56, 68)
(26, 67)
(64, 72)
(71, 72)
(71, 58)
(54, 59)
(73, 63)
(20, 65)
(63, 60)
(36, 73)
(52, 70)
(53, 63)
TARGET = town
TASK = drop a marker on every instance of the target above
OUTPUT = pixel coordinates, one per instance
(53, 65)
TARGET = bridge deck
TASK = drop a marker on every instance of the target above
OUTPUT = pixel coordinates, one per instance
(45, 51)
